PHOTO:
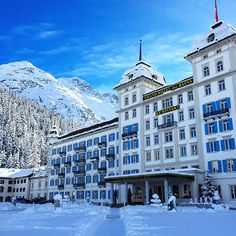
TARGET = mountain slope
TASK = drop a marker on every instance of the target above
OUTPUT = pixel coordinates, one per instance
(70, 97)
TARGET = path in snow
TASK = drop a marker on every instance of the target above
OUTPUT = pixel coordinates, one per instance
(108, 226)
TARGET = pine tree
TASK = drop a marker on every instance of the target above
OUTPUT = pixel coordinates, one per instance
(208, 188)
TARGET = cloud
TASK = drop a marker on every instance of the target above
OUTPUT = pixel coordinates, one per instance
(25, 51)
(48, 34)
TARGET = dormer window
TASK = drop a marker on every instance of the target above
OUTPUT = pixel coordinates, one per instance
(154, 76)
(131, 76)
(206, 71)
(219, 66)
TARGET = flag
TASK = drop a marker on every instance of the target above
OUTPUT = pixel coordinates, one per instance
(216, 12)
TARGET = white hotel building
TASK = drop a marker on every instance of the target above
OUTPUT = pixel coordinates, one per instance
(165, 135)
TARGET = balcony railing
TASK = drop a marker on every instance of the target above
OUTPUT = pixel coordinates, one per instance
(101, 184)
(62, 153)
(79, 172)
(67, 163)
(94, 158)
(79, 185)
(110, 156)
(61, 175)
(56, 164)
(130, 134)
(102, 144)
(216, 113)
(60, 186)
(102, 169)
(167, 125)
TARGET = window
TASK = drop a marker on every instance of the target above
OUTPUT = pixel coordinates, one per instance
(181, 116)
(230, 165)
(227, 144)
(211, 129)
(183, 151)
(147, 109)
(147, 124)
(156, 155)
(1, 189)
(180, 98)
(148, 156)
(213, 146)
(155, 122)
(134, 98)
(194, 150)
(126, 101)
(126, 115)
(221, 85)
(191, 113)
(169, 153)
(1, 181)
(226, 125)
(156, 139)
(181, 134)
(134, 113)
(190, 96)
(215, 167)
(155, 107)
(168, 137)
(209, 107)
(223, 104)
(167, 103)
(148, 142)
(219, 66)
(206, 71)
(168, 119)
(193, 132)
(208, 89)
(233, 191)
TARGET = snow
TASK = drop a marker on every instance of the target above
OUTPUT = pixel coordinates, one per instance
(88, 220)
(14, 173)
(141, 69)
(70, 97)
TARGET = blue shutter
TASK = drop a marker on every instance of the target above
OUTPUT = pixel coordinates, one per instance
(136, 128)
(228, 103)
(123, 160)
(206, 129)
(219, 166)
(129, 145)
(232, 143)
(137, 143)
(129, 159)
(222, 145)
(129, 128)
(217, 146)
(137, 158)
(132, 145)
(213, 106)
(221, 125)
(215, 127)
(109, 138)
(109, 194)
(117, 135)
(225, 166)
(210, 166)
(218, 105)
(234, 164)
(123, 146)
(117, 149)
(208, 147)
(204, 108)
(230, 123)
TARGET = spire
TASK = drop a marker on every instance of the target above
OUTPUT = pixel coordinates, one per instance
(216, 12)
(140, 50)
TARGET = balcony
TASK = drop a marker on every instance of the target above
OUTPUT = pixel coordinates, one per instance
(167, 125)
(102, 144)
(102, 169)
(94, 158)
(80, 149)
(79, 172)
(212, 114)
(131, 134)
(110, 156)
(79, 185)
(60, 186)
(67, 163)
(61, 175)
(62, 153)
(101, 184)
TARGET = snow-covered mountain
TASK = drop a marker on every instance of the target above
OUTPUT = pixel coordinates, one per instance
(70, 97)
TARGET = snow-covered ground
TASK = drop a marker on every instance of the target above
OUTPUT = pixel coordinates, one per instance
(87, 220)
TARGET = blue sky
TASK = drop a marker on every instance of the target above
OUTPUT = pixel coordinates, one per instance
(97, 40)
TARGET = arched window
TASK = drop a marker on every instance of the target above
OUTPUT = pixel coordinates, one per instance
(206, 71)
(219, 66)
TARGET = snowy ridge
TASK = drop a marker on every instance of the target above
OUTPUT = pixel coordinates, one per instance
(70, 97)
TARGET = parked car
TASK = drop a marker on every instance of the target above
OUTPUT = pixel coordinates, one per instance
(22, 200)
(42, 201)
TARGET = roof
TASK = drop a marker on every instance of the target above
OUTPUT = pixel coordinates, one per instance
(155, 175)
(218, 33)
(40, 172)
(141, 69)
(15, 173)
(90, 128)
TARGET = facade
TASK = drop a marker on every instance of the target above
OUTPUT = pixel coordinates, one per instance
(14, 183)
(165, 136)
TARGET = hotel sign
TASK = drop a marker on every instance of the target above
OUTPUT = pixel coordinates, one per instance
(166, 110)
(167, 89)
